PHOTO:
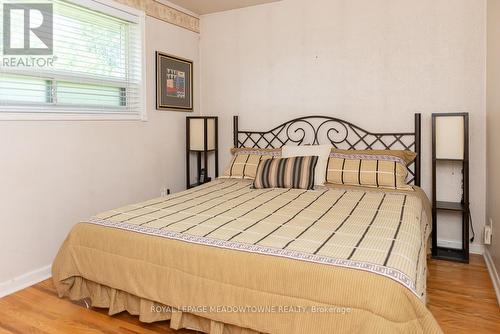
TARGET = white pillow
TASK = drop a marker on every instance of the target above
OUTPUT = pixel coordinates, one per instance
(322, 151)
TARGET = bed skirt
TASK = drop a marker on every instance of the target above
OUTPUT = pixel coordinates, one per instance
(117, 301)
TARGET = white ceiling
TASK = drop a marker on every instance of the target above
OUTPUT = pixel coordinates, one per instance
(201, 7)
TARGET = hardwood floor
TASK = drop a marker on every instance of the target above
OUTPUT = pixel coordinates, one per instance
(37, 309)
(461, 297)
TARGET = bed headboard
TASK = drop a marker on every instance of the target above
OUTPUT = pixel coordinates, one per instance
(315, 130)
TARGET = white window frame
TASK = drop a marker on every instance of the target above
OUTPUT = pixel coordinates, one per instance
(110, 7)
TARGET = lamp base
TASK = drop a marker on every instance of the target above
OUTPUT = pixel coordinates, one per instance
(200, 183)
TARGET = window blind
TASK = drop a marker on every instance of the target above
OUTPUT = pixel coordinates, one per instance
(96, 67)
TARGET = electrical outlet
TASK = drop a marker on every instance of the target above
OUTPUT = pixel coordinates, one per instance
(164, 191)
(488, 232)
(487, 235)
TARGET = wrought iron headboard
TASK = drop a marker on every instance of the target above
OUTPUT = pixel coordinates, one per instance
(315, 130)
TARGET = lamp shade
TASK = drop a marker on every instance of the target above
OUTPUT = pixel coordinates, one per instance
(197, 133)
(450, 137)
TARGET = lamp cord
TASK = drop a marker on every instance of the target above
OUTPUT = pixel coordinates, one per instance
(468, 209)
(472, 227)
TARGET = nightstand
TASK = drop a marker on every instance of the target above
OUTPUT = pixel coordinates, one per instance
(450, 149)
(201, 140)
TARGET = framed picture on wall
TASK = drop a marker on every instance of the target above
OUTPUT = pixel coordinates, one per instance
(174, 83)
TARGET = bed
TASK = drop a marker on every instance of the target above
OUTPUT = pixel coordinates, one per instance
(227, 258)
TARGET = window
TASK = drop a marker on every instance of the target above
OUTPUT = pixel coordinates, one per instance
(95, 69)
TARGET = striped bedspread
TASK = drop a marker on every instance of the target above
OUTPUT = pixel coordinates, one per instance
(382, 232)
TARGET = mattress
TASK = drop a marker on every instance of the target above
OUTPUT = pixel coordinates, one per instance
(288, 260)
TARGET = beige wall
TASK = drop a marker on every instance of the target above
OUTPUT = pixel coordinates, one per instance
(54, 173)
(371, 62)
(493, 123)
(374, 63)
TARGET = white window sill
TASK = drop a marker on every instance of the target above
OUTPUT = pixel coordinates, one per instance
(69, 116)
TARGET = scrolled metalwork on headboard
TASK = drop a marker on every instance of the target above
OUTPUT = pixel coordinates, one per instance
(315, 130)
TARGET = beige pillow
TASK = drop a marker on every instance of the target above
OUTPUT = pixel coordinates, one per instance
(407, 156)
(245, 160)
(368, 170)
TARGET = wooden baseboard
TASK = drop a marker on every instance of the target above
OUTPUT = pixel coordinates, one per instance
(493, 273)
(24, 280)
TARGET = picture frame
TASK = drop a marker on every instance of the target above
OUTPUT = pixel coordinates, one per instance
(174, 83)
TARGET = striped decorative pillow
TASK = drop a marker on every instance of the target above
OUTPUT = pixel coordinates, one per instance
(293, 172)
(245, 161)
(381, 171)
